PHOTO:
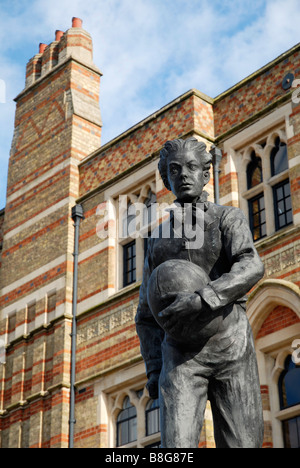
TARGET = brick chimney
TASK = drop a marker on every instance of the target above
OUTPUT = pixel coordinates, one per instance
(57, 124)
(75, 42)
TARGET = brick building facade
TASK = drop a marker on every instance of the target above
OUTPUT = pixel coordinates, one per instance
(57, 161)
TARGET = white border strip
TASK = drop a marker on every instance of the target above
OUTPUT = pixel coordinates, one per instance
(38, 180)
(102, 245)
(37, 218)
(95, 300)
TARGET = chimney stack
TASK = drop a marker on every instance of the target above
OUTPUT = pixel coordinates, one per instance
(76, 23)
(42, 48)
(58, 35)
(77, 44)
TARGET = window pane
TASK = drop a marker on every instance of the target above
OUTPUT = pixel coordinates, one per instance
(263, 230)
(255, 206)
(282, 205)
(153, 422)
(256, 176)
(279, 159)
(254, 171)
(292, 387)
(279, 193)
(257, 215)
(123, 434)
(132, 432)
(291, 429)
(256, 234)
(129, 262)
(126, 424)
(289, 384)
(129, 221)
(289, 217)
(288, 203)
(256, 220)
(287, 189)
(152, 417)
(261, 203)
(281, 221)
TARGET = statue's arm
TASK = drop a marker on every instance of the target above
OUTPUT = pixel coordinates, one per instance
(150, 333)
(247, 268)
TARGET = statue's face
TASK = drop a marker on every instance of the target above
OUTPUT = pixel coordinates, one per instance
(186, 175)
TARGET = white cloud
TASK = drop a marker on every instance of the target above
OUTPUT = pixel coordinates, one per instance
(150, 51)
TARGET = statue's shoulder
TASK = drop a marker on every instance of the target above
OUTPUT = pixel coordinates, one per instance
(224, 212)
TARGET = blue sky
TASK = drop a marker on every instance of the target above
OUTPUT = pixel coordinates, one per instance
(149, 51)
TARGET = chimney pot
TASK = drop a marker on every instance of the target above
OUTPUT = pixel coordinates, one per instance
(76, 22)
(42, 48)
(58, 35)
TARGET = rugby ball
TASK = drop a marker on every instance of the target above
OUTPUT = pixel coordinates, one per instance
(175, 276)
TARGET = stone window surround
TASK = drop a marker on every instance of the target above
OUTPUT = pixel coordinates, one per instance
(111, 391)
(266, 186)
(273, 349)
(140, 195)
(239, 148)
(141, 180)
(140, 404)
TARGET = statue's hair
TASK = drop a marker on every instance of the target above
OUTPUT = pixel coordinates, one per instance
(173, 146)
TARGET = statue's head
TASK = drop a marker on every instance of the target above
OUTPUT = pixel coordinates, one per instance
(185, 168)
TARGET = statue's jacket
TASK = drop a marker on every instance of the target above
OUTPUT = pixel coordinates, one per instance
(227, 254)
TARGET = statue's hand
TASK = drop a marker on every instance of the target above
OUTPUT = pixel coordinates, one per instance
(185, 305)
(152, 385)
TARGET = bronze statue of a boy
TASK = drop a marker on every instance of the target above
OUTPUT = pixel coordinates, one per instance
(220, 363)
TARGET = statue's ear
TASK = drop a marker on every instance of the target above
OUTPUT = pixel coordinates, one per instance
(206, 177)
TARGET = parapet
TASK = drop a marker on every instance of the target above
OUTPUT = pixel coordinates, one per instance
(75, 42)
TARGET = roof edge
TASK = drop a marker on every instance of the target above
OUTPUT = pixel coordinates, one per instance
(149, 118)
(258, 72)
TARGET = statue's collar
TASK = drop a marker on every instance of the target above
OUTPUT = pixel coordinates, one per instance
(201, 202)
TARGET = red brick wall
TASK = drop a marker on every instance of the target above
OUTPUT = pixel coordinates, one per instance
(281, 317)
(255, 95)
(176, 121)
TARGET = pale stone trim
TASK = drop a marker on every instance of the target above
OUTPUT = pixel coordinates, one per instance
(127, 184)
(33, 274)
(294, 162)
(95, 300)
(38, 180)
(102, 245)
(232, 196)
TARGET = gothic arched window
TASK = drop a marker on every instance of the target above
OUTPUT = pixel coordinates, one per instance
(126, 424)
(152, 417)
